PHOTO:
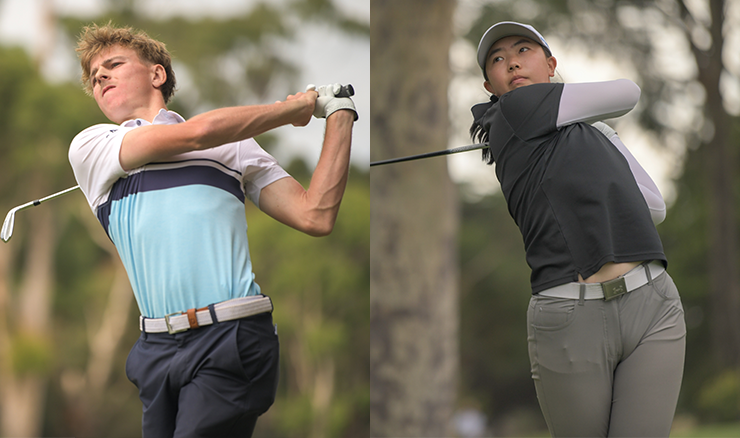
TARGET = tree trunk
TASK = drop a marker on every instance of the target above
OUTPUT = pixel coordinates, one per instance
(724, 284)
(413, 223)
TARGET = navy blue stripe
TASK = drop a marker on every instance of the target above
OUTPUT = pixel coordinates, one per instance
(104, 215)
(151, 180)
(199, 159)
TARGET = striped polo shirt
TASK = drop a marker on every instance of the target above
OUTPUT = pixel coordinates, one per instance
(178, 224)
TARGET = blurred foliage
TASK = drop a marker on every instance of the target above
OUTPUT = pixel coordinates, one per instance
(719, 399)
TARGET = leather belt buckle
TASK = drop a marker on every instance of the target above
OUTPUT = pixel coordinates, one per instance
(614, 288)
(171, 330)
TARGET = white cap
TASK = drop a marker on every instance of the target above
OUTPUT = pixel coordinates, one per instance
(503, 30)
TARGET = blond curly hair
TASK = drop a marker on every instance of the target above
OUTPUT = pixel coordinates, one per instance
(94, 39)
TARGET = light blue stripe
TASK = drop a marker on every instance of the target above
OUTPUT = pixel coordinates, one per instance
(184, 247)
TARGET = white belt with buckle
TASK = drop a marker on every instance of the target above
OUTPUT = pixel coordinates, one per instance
(611, 289)
(225, 311)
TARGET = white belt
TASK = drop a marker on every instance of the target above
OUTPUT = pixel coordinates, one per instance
(194, 318)
(611, 289)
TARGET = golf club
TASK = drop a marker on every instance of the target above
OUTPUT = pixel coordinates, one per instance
(7, 231)
(471, 147)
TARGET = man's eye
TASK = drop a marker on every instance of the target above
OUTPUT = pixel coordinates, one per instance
(497, 59)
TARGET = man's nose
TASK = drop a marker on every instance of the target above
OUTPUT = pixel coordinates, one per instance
(101, 75)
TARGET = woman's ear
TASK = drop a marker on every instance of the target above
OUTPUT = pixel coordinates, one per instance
(487, 85)
(552, 63)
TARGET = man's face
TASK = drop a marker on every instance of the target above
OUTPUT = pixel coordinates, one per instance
(123, 85)
(516, 61)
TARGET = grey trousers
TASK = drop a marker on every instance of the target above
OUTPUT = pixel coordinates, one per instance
(609, 368)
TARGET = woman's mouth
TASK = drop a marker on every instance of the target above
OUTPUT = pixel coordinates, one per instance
(517, 80)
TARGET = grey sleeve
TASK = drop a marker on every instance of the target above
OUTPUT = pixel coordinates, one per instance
(649, 190)
(593, 101)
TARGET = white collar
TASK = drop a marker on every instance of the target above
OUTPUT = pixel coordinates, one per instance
(163, 117)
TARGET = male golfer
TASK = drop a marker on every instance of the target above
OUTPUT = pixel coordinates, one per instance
(170, 195)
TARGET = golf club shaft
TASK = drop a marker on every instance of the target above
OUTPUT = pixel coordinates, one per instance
(471, 147)
(39, 201)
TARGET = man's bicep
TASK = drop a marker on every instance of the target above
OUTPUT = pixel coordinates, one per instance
(150, 143)
(281, 200)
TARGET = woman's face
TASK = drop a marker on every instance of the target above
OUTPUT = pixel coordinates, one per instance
(516, 61)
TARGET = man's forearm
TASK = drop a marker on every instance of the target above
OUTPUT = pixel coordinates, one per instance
(329, 179)
(227, 125)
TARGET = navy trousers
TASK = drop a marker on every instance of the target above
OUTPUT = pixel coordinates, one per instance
(213, 381)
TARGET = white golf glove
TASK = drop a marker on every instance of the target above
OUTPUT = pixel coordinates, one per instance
(327, 102)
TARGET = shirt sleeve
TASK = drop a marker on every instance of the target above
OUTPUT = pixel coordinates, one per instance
(594, 101)
(260, 169)
(649, 190)
(94, 156)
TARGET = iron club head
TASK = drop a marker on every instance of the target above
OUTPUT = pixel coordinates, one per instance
(7, 231)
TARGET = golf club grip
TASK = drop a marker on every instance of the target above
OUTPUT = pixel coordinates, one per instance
(346, 91)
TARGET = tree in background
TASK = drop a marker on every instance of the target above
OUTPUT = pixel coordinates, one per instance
(413, 224)
(67, 319)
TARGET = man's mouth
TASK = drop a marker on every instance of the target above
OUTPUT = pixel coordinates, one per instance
(105, 90)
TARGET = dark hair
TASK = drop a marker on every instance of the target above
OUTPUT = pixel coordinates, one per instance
(478, 131)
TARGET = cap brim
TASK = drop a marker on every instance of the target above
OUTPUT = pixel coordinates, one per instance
(503, 30)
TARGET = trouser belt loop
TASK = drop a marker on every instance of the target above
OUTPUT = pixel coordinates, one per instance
(582, 295)
(213, 313)
(647, 272)
(143, 326)
(192, 319)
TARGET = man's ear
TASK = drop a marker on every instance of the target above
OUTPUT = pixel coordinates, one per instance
(488, 87)
(159, 76)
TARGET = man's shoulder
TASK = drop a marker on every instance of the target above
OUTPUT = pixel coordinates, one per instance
(101, 128)
(94, 135)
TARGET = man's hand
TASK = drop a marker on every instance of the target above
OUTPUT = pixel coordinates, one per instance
(307, 103)
(327, 102)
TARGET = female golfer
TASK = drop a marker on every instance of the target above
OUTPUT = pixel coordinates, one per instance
(605, 323)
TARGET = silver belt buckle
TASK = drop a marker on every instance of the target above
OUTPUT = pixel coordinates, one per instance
(170, 330)
(614, 288)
